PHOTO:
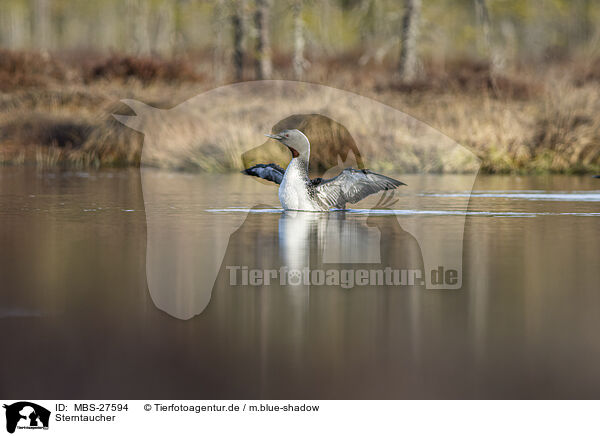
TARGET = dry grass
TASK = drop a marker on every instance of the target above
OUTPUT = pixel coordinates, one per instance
(58, 113)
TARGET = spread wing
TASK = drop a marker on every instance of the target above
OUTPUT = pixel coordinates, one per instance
(271, 172)
(351, 186)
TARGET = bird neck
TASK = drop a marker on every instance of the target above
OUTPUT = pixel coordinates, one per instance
(304, 157)
(301, 162)
(298, 166)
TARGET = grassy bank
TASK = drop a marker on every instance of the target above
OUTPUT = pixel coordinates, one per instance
(57, 111)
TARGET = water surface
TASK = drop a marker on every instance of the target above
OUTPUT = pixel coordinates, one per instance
(78, 320)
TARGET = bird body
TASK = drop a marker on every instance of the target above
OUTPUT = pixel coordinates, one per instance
(298, 192)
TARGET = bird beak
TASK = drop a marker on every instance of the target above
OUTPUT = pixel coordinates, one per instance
(277, 137)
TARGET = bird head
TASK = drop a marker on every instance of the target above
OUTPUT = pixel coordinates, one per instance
(295, 140)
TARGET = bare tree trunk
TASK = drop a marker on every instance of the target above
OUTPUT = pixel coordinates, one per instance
(179, 35)
(410, 34)
(15, 21)
(580, 28)
(485, 43)
(483, 21)
(106, 27)
(218, 22)
(41, 24)
(586, 23)
(141, 27)
(298, 60)
(368, 18)
(138, 18)
(164, 32)
(237, 22)
(264, 67)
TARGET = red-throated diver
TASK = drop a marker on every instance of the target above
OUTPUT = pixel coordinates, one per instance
(298, 192)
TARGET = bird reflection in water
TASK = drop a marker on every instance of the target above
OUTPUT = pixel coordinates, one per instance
(288, 326)
(291, 332)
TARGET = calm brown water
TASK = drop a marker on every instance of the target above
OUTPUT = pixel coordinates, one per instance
(79, 319)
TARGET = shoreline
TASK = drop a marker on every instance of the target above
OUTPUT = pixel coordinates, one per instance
(524, 121)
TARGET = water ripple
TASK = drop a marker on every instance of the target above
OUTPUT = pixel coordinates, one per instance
(422, 212)
(522, 195)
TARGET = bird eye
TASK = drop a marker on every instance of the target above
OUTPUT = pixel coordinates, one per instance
(287, 136)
